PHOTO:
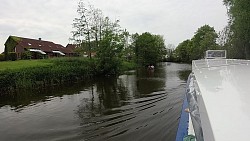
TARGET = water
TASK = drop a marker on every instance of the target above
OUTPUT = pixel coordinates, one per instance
(137, 106)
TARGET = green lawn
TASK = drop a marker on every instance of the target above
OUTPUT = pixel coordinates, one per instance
(23, 64)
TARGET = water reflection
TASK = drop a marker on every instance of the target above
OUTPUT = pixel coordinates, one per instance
(148, 82)
(23, 98)
(136, 106)
(183, 74)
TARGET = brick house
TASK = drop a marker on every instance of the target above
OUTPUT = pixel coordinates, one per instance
(37, 48)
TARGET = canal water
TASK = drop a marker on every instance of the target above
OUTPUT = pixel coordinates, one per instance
(138, 106)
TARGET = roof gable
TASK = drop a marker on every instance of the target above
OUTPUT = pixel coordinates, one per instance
(46, 46)
(71, 46)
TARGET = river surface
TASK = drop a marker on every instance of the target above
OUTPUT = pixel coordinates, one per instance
(138, 106)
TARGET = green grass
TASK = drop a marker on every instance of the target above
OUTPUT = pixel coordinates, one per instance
(128, 66)
(48, 72)
(20, 64)
(41, 73)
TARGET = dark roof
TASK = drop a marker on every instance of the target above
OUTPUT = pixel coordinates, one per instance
(71, 46)
(46, 46)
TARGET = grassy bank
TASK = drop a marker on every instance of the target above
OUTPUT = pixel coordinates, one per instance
(23, 64)
(41, 73)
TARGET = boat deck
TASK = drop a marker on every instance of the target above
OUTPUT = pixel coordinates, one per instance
(224, 98)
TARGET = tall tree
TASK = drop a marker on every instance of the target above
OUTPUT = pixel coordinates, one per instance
(204, 39)
(182, 51)
(96, 23)
(88, 27)
(239, 23)
(100, 34)
(149, 49)
(81, 24)
(111, 46)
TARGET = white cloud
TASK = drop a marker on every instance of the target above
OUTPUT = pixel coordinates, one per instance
(51, 20)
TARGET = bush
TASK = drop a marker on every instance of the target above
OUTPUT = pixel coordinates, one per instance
(2, 57)
(128, 66)
(58, 71)
(12, 56)
(26, 55)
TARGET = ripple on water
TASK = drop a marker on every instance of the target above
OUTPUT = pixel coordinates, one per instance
(136, 106)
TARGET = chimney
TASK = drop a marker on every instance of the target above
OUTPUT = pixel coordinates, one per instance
(39, 39)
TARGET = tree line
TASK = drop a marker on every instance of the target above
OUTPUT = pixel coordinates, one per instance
(95, 33)
(234, 38)
(193, 49)
(236, 35)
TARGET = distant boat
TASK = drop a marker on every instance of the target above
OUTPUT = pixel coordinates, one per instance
(217, 100)
(151, 67)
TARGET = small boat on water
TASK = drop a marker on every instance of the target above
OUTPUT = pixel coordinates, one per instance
(217, 102)
(151, 67)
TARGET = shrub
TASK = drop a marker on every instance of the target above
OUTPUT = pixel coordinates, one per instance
(128, 66)
(2, 57)
(26, 55)
(12, 56)
(58, 71)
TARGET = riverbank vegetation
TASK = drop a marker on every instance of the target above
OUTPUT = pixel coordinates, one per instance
(93, 32)
(110, 50)
(49, 72)
(235, 37)
(193, 49)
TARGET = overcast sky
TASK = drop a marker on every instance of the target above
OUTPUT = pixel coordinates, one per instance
(52, 20)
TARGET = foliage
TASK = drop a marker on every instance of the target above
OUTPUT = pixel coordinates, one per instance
(204, 39)
(183, 74)
(96, 33)
(88, 27)
(237, 35)
(126, 65)
(12, 56)
(2, 57)
(26, 55)
(20, 64)
(183, 51)
(149, 48)
(93, 32)
(48, 72)
(10, 45)
(109, 53)
(17, 39)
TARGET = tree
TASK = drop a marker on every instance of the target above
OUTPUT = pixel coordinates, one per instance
(149, 49)
(96, 24)
(88, 27)
(82, 26)
(203, 40)
(110, 51)
(239, 23)
(182, 52)
(96, 33)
